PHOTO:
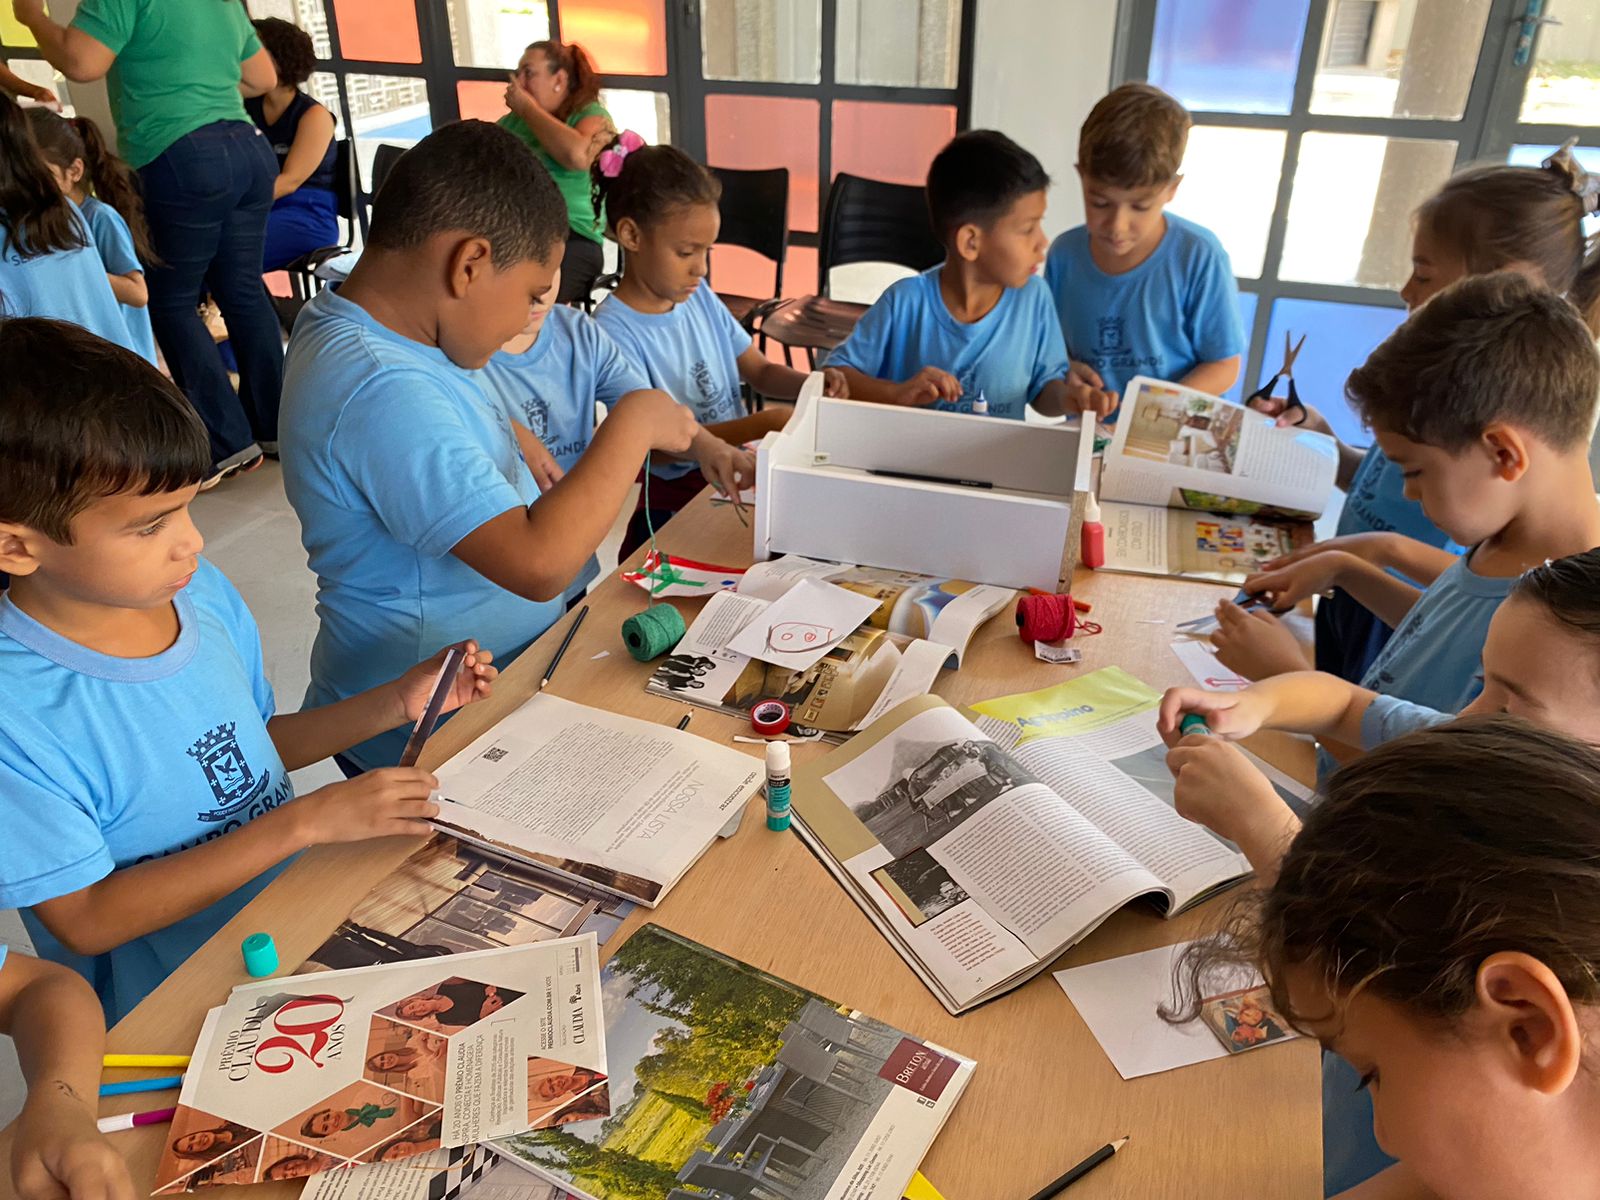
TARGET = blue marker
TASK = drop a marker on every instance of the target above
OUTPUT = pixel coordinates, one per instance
(130, 1086)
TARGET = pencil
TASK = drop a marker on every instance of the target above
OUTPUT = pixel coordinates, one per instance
(550, 671)
(684, 723)
(1079, 1171)
(129, 1086)
(133, 1120)
(145, 1060)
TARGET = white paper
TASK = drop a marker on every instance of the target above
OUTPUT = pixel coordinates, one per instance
(1200, 660)
(1055, 652)
(1117, 1000)
(810, 619)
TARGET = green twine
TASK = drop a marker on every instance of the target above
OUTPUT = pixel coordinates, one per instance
(660, 627)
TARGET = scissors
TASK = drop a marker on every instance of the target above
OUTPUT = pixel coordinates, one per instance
(1294, 412)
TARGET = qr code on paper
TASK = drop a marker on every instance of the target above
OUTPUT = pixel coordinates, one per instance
(495, 753)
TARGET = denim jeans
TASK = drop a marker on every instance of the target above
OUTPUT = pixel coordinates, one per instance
(207, 197)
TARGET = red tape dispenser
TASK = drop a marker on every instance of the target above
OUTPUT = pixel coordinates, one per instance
(1043, 617)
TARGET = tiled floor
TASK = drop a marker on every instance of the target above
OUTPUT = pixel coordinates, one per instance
(254, 537)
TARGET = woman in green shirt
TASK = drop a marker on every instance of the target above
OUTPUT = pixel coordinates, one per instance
(554, 99)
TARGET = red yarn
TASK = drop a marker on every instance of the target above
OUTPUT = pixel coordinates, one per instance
(1047, 618)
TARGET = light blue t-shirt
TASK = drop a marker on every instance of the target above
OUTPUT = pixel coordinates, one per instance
(114, 240)
(114, 761)
(1006, 356)
(1172, 312)
(66, 285)
(391, 455)
(1389, 717)
(690, 352)
(552, 388)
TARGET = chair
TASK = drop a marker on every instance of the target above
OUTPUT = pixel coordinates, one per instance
(755, 216)
(810, 1061)
(866, 220)
(383, 161)
(841, 1032)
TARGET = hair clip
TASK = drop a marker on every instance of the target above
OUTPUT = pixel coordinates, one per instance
(1584, 185)
(611, 159)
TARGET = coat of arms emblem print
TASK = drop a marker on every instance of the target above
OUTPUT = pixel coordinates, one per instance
(233, 783)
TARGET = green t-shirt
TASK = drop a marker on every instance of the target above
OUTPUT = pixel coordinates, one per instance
(177, 66)
(576, 187)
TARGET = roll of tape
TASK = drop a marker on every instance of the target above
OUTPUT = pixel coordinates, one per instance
(770, 717)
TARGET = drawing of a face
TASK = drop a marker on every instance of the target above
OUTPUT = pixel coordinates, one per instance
(797, 636)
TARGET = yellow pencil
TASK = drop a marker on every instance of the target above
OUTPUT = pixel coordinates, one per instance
(145, 1060)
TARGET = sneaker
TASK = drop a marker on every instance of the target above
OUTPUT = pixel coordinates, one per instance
(270, 449)
(239, 468)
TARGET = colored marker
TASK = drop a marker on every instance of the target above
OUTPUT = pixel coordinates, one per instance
(159, 1116)
(129, 1086)
(1192, 723)
(145, 1060)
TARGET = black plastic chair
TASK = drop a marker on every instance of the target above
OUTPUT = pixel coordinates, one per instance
(383, 161)
(755, 216)
(866, 220)
(302, 271)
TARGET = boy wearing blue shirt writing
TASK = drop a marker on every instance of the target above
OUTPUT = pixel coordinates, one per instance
(414, 486)
(1140, 291)
(979, 325)
(144, 789)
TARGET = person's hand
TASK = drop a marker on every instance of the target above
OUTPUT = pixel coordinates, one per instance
(1280, 408)
(1218, 787)
(1256, 644)
(391, 802)
(58, 1152)
(729, 469)
(928, 386)
(665, 424)
(1369, 547)
(1227, 714)
(42, 94)
(834, 383)
(518, 98)
(1300, 579)
(473, 682)
(1087, 392)
(542, 465)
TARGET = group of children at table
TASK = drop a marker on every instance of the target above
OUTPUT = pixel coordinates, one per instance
(1436, 920)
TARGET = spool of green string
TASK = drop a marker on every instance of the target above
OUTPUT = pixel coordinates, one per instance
(653, 632)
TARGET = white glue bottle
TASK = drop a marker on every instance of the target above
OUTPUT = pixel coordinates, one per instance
(778, 785)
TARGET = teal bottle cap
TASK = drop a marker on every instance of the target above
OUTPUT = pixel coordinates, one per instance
(1193, 723)
(260, 955)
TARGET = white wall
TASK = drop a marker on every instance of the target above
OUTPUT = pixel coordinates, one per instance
(1038, 68)
(88, 99)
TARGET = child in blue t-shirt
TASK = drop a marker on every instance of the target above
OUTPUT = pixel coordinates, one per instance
(415, 490)
(48, 264)
(661, 206)
(144, 786)
(106, 191)
(978, 327)
(551, 376)
(1140, 291)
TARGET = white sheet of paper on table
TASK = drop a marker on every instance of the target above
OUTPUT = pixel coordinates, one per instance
(1200, 659)
(809, 620)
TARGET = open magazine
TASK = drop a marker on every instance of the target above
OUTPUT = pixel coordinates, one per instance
(920, 626)
(312, 1073)
(1199, 487)
(623, 804)
(984, 849)
(728, 1082)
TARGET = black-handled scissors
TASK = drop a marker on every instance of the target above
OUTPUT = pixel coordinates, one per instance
(1294, 412)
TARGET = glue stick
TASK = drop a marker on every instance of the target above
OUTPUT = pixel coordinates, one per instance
(778, 785)
(1094, 534)
(980, 406)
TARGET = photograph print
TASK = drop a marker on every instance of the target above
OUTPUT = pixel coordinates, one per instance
(920, 888)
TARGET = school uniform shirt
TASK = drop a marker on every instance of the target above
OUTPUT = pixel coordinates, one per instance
(67, 285)
(114, 240)
(391, 455)
(553, 386)
(1006, 356)
(690, 352)
(116, 761)
(1389, 717)
(1172, 312)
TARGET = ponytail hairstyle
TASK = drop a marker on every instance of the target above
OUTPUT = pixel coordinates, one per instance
(583, 81)
(1569, 590)
(108, 178)
(641, 183)
(36, 218)
(1495, 216)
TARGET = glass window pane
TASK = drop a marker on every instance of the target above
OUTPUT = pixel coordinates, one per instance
(36, 70)
(751, 132)
(1564, 88)
(891, 142)
(1341, 337)
(494, 33)
(1350, 215)
(386, 109)
(377, 31)
(308, 14)
(1228, 55)
(623, 37)
(898, 43)
(1230, 183)
(1247, 321)
(480, 100)
(769, 41)
(1383, 59)
(649, 114)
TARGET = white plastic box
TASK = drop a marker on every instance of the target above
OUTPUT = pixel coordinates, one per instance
(1012, 522)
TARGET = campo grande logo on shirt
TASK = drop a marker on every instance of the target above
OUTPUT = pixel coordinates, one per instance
(232, 781)
(538, 414)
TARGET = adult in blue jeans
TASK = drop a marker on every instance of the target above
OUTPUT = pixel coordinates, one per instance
(178, 72)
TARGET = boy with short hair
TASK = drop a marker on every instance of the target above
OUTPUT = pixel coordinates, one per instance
(144, 788)
(415, 489)
(978, 326)
(1141, 291)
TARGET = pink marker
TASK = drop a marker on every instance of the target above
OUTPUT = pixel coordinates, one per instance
(159, 1116)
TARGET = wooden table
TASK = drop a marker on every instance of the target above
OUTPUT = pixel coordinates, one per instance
(1043, 1096)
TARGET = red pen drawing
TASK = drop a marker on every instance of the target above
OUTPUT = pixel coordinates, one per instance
(796, 637)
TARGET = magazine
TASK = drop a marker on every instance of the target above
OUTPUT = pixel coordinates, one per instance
(982, 848)
(1240, 489)
(593, 796)
(312, 1073)
(728, 1082)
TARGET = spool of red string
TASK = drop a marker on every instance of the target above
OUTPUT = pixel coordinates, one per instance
(1046, 618)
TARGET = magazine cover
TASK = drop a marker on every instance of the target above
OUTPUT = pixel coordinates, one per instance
(728, 1082)
(1143, 540)
(309, 1073)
